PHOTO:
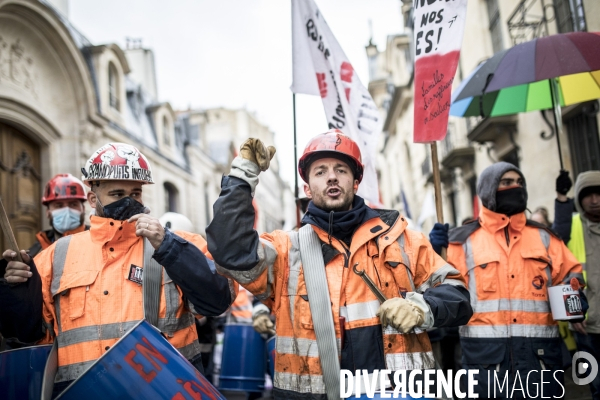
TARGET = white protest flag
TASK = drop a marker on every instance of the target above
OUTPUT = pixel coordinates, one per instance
(320, 67)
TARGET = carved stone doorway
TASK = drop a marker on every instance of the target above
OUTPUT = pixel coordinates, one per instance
(20, 185)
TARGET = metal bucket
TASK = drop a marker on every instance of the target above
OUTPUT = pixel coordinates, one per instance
(244, 363)
(144, 365)
(565, 303)
(22, 372)
(271, 351)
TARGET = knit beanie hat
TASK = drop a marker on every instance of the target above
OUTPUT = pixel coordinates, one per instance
(489, 180)
(587, 183)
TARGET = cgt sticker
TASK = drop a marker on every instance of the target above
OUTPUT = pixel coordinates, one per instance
(538, 282)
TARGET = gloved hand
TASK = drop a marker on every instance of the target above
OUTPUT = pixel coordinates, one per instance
(439, 237)
(401, 314)
(255, 150)
(563, 182)
(263, 324)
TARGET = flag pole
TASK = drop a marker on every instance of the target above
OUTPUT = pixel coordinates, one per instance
(557, 117)
(437, 185)
(297, 199)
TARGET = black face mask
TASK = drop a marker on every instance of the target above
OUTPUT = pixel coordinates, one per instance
(511, 201)
(123, 209)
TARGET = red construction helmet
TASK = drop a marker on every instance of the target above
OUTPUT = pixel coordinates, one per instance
(63, 187)
(331, 143)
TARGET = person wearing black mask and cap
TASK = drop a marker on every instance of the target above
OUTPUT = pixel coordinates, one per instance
(508, 263)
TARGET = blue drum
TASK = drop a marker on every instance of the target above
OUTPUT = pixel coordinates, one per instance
(22, 372)
(271, 355)
(243, 365)
(141, 365)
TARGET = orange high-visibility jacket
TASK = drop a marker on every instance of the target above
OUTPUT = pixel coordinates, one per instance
(397, 259)
(46, 238)
(90, 304)
(45, 241)
(241, 309)
(508, 265)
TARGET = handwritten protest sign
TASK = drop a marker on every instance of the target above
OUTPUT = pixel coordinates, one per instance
(438, 33)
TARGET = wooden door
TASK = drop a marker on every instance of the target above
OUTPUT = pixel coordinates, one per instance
(20, 185)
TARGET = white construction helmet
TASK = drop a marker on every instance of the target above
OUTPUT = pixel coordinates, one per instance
(176, 222)
(117, 161)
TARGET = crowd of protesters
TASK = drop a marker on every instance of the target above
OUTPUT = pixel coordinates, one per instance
(485, 306)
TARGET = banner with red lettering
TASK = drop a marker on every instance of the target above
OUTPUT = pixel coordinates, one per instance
(320, 67)
(438, 33)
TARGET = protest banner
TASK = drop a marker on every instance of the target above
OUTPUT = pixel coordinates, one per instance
(438, 27)
(438, 34)
(320, 67)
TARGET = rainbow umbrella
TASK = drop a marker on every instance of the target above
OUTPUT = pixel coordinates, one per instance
(544, 73)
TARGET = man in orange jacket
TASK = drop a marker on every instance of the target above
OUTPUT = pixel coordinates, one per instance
(422, 290)
(64, 197)
(509, 262)
(86, 289)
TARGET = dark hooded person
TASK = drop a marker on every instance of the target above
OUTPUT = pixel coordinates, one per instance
(509, 263)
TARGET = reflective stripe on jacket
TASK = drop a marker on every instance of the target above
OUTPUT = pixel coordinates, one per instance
(90, 303)
(46, 238)
(396, 259)
(508, 266)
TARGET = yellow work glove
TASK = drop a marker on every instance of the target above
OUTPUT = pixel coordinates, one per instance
(401, 314)
(255, 150)
(263, 324)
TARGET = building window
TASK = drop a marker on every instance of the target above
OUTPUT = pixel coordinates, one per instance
(495, 25)
(453, 208)
(472, 182)
(171, 198)
(583, 139)
(166, 131)
(512, 157)
(570, 16)
(113, 87)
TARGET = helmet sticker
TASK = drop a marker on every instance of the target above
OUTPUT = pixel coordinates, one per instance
(126, 164)
(107, 157)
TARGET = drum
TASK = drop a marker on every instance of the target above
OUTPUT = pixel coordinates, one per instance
(144, 365)
(22, 372)
(271, 355)
(244, 363)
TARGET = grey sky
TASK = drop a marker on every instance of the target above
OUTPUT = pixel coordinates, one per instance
(236, 53)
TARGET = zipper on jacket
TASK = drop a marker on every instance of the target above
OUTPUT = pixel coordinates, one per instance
(507, 236)
(347, 255)
(346, 258)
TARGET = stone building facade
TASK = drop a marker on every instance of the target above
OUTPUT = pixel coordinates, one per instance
(62, 97)
(472, 144)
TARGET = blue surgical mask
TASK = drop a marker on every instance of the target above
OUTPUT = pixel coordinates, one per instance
(65, 219)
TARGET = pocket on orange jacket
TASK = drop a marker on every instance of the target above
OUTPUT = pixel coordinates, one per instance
(75, 286)
(485, 271)
(303, 311)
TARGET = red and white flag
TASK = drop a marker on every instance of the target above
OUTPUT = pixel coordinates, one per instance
(321, 68)
(438, 32)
